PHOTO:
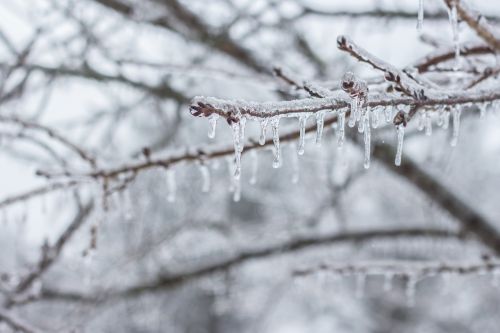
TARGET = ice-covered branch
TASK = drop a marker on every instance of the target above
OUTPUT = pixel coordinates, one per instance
(420, 269)
(234, 110)
(401, 80)
(383, 14)
(245, 255)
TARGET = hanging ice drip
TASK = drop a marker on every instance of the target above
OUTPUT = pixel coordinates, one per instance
(358, 91)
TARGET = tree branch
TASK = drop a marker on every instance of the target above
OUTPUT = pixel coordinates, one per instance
(288, 247)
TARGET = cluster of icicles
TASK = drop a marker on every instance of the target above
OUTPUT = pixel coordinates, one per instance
(361, 115)
(411, 278)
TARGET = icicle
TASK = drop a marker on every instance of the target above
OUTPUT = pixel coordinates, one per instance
(456, 126)
(452, 14)
(295, 169)
(354, 111)
(388, 113)
(238, 136)
(375, 121)
(446, 119)
(482, 110)
(302, 137)
(320, 116)
(399, 151)
(367, 139)
(205, 174)
(420, 20)
(361, 124)
(276, 140)
(213, 124)
(440, 120)
(255, 166)
(411, 288)
(360, 285)
(421, 120)
(237, 189)
(340, 127)
(428, 124)
(263, 129)
(388, 277)
(243, 122)
(171, 185)
(230, 169)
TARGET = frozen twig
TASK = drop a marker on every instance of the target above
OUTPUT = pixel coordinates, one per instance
(421, 269)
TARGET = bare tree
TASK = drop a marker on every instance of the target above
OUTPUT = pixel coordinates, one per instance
(116, 208)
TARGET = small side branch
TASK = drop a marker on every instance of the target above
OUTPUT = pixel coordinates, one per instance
(397, 268)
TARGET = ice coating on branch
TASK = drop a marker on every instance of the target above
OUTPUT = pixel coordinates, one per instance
(171, 185)
(275, 124)
(399, 150)
(341, 128)
(456, 125)
(302, 135)
(263, 129)
(367, 139)
(358, 91)
(453, 16)
(232, 110)
(320, 117)
(255, 166)
(212, 120)
(205, 174)
(420, 19)
(428, 124)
